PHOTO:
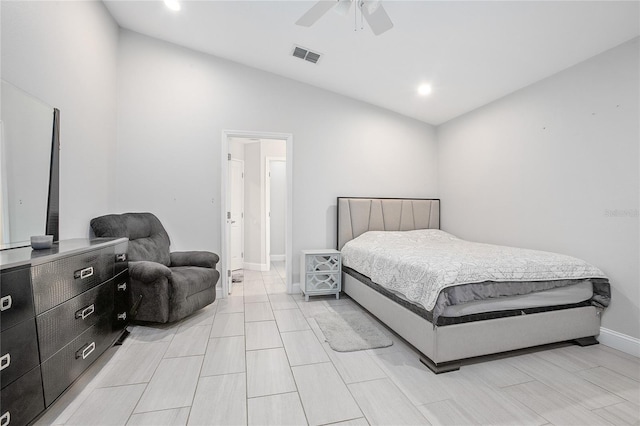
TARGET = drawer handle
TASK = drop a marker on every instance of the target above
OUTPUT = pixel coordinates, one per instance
(83, 273)
(5, 303)
(86, 351)
(122, 316)
(121, 257)
(5, 419)
(84, 313)
(122, 286)
(5, 361)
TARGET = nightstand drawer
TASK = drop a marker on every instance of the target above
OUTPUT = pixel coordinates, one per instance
(322, 284)
(60, 325)
(22, 400)
(59, 281)
(18, 351)
(16, 299)
(323, 263)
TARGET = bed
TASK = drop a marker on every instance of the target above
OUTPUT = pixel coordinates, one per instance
(463, 307)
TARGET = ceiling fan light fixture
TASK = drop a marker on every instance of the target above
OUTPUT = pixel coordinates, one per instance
(343, 6)
(173, 5)
(371, 11)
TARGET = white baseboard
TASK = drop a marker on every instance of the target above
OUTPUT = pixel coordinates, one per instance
(620, 341)
(278, 257)
(296, 288)
(263, 267)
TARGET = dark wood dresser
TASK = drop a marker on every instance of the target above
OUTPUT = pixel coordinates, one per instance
(60, 309)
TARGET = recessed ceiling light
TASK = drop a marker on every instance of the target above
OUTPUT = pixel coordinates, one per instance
(172, 4)
(424, 89)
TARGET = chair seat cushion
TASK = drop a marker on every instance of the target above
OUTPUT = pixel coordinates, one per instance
(188, 280)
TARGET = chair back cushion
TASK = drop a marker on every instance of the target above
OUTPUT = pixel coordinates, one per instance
(148, 239)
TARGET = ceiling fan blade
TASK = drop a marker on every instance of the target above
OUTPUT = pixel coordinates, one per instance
(316, 12)
(379, 21)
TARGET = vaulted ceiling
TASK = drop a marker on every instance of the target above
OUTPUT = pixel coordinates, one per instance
(471, 53)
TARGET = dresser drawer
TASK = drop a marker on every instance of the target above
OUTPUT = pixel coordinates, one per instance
(16, 299)
(59, 371)
(22, 400)
(58, 281)
(18, 351)
(65, 322)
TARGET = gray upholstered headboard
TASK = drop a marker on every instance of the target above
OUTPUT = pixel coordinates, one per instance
(359, 215)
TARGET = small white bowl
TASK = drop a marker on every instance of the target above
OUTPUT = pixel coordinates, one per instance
(40, 242)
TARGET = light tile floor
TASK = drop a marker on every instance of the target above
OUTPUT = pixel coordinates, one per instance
(259, 358)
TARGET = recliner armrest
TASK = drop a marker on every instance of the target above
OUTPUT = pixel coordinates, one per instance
(203, 259)
(148, 272)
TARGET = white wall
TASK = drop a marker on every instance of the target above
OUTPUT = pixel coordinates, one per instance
(173, 104)
(547, 168)
(65, 54)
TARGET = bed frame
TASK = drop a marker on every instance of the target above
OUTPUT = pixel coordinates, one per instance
(444, 347)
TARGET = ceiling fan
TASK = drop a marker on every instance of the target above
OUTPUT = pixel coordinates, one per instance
(371, 10)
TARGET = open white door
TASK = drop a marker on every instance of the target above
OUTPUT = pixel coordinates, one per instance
(236, 218)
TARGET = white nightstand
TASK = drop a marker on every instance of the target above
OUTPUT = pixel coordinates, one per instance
(320, 272)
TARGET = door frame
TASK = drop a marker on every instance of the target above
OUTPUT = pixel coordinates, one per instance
(225, 230)
(267, 203)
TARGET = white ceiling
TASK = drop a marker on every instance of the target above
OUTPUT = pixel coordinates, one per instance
(471, 52)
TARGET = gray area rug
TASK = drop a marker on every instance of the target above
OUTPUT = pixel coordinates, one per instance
(351, 331)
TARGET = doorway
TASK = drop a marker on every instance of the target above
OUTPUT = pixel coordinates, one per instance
(256, 215)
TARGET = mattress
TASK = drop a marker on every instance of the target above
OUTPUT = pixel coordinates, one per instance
(448, 277)
(579, 292)
(489, 309)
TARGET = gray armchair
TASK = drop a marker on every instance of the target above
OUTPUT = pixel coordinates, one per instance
(172, 285)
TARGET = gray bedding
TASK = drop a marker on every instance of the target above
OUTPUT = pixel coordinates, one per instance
(419, 264)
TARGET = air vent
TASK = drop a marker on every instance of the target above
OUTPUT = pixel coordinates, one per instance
(299, 52)
(306, 54)
(312, 57)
